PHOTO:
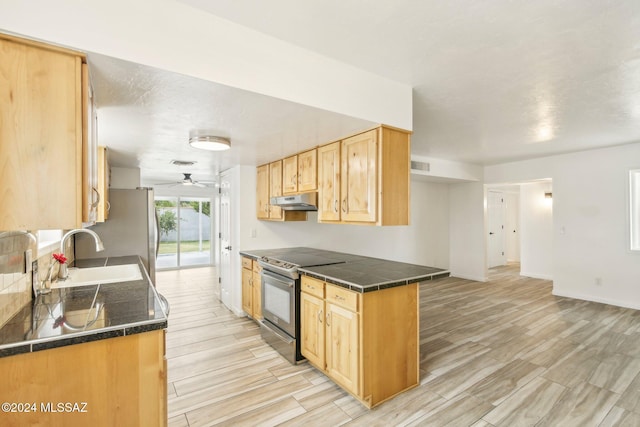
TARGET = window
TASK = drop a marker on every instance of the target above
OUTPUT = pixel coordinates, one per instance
(634, 209)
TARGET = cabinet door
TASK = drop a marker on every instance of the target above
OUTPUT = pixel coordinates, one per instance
(308, 171)
(91, 196)
(40, 138)
(247, 291)
(262, 192)
(104, 175)
(312, 329)
(342, 346)
(290, 175)
(275, 188)
(329, 182)
(257, 294)
(359, 177)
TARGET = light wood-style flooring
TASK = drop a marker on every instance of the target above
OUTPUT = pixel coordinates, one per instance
(501, 353)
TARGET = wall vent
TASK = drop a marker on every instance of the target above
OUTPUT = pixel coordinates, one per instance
(420, 166)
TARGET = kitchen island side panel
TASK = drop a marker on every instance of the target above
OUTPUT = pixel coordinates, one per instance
(391, 342)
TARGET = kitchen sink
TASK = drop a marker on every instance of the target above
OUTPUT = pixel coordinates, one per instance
(100, 275)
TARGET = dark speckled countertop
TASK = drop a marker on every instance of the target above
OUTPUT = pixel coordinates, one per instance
(80, 314)
(355, 272)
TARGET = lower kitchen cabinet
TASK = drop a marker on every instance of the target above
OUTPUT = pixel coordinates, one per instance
(367, 343)
(251, 288)
(111, 382)
(342, 347)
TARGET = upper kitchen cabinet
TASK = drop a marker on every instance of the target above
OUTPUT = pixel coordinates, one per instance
(43, 117)
(262, 192)
(300, 173)
(364, 179)
(269, 184)
(275, 188)
(104, 178)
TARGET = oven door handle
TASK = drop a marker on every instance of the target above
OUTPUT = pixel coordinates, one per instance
(285, 280)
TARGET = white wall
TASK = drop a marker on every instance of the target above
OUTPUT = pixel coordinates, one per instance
(170, 35)
(536, 231)
(467, 242)
(589, 221)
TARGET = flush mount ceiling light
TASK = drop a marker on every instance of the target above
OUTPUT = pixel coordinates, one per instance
(183, 162)
(209, 142)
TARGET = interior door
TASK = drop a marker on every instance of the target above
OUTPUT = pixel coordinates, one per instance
(495, 220)
(225, 240)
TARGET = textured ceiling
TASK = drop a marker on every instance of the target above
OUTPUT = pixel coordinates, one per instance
(145, 115)
(493, 81)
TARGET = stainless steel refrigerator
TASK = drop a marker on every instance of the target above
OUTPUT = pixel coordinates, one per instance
(132, 229)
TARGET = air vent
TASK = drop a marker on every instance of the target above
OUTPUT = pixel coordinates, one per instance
(419, 166)
(183, 162)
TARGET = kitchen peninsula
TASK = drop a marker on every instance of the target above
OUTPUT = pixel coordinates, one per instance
(358, 317)
(99, 348)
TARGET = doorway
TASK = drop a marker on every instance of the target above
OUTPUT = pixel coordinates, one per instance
(520, 216)
(185, 225)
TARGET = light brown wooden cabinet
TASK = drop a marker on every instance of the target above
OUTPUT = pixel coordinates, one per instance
(122, 380)
(40, 137)
(299, 172)
(290, 175)
(262, 192)
(104, 178)
(367, 343)
(251, 288)
(364, 179)
(269, 184)
(44, 139)
(275, 189)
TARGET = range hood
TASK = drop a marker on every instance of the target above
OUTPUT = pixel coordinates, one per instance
(296, 202)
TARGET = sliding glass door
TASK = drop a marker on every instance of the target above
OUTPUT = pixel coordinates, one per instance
(185, 231)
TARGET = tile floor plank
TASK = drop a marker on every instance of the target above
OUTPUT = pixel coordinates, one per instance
(501, 353)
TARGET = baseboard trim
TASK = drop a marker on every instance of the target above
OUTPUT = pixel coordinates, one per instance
(536, 275)
(591, 298)
(469, 277)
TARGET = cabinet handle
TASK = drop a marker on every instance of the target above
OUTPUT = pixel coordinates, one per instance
(293, 179)
(328, 318)
(108, 206)
(95, 204)
(339, 298)
(335, 205)
(344, 205)
(320, 316)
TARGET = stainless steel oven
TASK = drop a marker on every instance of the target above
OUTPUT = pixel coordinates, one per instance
(281, 301)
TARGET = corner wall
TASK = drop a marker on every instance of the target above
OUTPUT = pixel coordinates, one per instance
(467, 242)
(536, 231)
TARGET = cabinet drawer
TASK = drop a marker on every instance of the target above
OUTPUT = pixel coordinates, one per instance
(342, 297)
(256, 267)
(312, 286)
(247, 263)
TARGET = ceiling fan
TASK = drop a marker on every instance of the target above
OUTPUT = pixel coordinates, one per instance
(188, 181)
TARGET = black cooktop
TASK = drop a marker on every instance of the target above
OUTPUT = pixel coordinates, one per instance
(305, 260)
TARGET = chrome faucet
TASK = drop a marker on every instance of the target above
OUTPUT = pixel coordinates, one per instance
(63, 273)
